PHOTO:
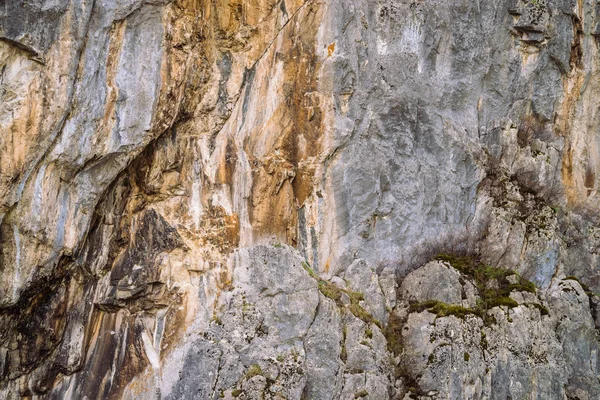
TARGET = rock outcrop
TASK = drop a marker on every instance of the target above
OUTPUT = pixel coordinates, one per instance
(497, 338)
(299, 199)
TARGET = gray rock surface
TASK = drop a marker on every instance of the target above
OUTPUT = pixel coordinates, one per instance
(296, 199)
(508, 352)
(433, 281)
(277, 336)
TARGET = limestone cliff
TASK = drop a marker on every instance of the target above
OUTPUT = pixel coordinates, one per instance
(288, 199)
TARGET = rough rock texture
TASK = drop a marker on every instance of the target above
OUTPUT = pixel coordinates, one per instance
(299, 199)
(544, 345)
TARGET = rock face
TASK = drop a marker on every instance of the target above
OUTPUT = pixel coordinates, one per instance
(299, 199)
(528, 345)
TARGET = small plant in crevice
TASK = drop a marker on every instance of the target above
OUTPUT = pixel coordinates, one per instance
(431, 359)
(543, 310)
(585, 287)
(483, 341)
(295, 354)
(344, 352)
(217, 320)
(393, 337)
(335, 293)
(253, 371)
(463, 244)
(393, 334)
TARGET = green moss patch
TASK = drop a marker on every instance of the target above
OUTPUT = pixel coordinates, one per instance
(543, 310)
(441, 309)
(253, 371)
(335, 293)
(585, 287)
(431, 359)
(393, 334)
(482, 273)
(492, 283)
(344, 352)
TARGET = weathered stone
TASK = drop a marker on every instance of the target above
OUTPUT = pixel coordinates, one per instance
(505, 351)
(323, 349)
(363, 280)
(433, 281)
(242, 199)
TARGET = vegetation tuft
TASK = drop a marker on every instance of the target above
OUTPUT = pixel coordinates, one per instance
(393, 334)
(442, 309)
(493, 283)
(335, 293)
(585, 287)
(482, 273)
(344, 352)
(253, 371)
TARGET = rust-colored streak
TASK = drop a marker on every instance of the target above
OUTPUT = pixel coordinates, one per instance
(567, 175)
(575, 181)
(221, 229)
(227, 164)
(284, 178)
(112, 61)
(330, 49)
